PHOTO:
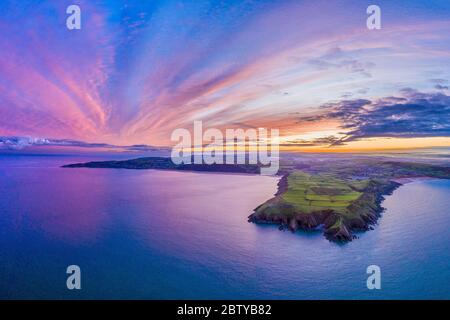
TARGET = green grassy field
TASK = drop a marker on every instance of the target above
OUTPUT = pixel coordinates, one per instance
(310, 193)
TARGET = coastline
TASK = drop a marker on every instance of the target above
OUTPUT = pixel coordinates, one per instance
(336, 228)
(406, 180)
(317, 198)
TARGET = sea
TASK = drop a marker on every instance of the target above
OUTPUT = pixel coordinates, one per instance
(147, 234)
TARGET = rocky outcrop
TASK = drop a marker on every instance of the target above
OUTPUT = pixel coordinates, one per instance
(362, 213)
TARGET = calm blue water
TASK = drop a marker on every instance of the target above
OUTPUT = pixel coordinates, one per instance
(154, 234)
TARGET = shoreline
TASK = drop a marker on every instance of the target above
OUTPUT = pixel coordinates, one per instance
(329, 198)
(414, 179)
(336, 228)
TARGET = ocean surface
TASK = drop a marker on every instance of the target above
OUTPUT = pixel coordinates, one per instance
(181, 235)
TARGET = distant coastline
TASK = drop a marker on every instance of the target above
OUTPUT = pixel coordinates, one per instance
(165, 163)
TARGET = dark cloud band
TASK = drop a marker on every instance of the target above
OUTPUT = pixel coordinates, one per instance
(415, 114)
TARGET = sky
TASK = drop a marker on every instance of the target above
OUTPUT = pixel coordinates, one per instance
(138, 70)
